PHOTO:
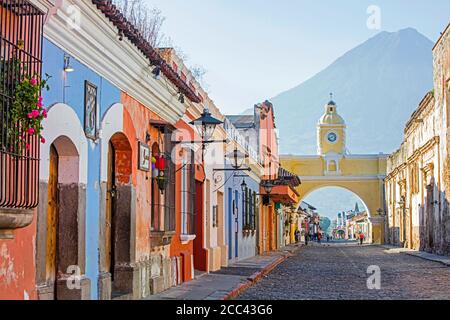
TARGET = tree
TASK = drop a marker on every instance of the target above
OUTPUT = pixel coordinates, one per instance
(148, 21)
(325, 224)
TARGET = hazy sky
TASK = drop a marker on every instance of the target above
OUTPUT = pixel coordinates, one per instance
(255, 49)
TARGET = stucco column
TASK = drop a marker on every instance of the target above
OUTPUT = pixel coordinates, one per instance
(377, 229)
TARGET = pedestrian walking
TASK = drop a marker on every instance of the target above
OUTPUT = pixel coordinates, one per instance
(362, 237)
(319, 237)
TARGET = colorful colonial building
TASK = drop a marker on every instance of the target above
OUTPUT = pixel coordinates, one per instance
(417, 186)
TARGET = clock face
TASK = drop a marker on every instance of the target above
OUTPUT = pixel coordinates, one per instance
(332, 137)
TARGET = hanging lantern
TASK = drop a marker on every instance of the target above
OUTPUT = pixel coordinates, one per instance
(160, 163)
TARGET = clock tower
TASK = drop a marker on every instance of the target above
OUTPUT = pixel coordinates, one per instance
(331, 138)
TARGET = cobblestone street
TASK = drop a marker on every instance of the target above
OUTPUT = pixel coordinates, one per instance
(339, 271)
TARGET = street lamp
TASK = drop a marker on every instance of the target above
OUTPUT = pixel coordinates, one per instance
(237, 158)
(243, 186)
(268, 186)
(206, 125)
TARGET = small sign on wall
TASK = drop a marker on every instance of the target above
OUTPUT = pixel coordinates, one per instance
(144, 163)
(90, 110)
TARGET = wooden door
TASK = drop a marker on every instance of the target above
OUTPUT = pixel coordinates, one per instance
(52, 218)
(220, 216)
(110, 209)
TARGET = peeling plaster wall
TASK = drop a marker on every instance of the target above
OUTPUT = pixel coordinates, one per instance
(17, 271)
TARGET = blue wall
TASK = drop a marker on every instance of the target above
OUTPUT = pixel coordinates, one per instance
(239, 247)
(71, 92)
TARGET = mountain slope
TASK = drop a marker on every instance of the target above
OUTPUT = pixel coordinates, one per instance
(376, 86)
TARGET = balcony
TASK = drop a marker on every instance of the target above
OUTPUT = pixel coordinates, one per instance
(21, 29)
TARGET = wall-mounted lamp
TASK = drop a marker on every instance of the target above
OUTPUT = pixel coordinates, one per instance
(181, 98)
(147, 137)
(157, 72)
(67, 66)
(120, 35)
(238, 158)
(268, 186)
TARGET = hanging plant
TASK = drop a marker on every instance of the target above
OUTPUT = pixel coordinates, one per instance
(28, 110)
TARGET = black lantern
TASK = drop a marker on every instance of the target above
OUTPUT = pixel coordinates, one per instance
(162, 181)
(237, 158)
(268, 187)
(206, 125)
(243, 186)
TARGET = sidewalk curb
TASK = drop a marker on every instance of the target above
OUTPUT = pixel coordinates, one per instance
(419, 254)
(257, 276)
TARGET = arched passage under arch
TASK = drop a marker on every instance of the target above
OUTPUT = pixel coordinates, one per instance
(362, 175)
(314, 189)
(344, 208)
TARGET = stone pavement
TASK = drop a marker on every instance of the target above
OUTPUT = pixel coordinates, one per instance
(228, 282)
(340, 272)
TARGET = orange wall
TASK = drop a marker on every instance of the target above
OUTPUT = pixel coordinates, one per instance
(136, 123)
(268, 139)
(17, 265)
(177, 249)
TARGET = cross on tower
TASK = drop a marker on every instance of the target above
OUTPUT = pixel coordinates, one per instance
(331, 96)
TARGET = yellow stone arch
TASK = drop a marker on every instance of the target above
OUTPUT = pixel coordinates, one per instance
(362, 175)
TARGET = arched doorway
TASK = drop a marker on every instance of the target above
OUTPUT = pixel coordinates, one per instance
(118, 252)
(65, 224)
(348, 213)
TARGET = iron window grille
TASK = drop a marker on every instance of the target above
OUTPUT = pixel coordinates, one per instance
(163, 201)
(21, 39)
(215, 217)
(250, 209)
(188, 196)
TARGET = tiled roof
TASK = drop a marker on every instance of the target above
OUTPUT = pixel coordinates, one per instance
(133, 34)
(287, 178)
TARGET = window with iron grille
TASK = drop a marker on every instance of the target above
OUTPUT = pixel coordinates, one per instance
(163, 187)
(21, 29)
(188, 195)
(250, 209)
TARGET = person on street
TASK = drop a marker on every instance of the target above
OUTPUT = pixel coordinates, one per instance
(319, 237)
(362, 237)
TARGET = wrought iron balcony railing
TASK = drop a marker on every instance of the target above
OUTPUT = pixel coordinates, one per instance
(21, 38)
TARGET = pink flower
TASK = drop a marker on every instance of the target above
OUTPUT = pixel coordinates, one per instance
(30, 115)
(44, 113)
(33, 81)
(31, 131)
(43, 140)
(35, 113)
(40, 99)
(28, 146)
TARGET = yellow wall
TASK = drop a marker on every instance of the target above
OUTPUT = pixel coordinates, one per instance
(326, 146)
(362, 176)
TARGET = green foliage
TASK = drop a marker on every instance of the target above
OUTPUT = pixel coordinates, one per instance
(27, 111)
(325, 223)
